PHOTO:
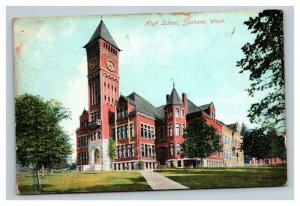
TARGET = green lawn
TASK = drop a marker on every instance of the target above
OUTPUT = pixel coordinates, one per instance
(113, 181)
(227, 177)
(69, 182)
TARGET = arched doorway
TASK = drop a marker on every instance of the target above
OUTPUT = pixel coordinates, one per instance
(96, 156)
(161, 154)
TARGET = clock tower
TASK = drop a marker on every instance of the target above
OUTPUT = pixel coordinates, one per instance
(103, 93)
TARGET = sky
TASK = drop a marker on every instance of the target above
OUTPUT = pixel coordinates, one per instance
(200, 58)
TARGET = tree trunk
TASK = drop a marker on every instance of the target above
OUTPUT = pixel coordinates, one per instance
(43, 171)
(258, 173)
(201, 163)
(38, 179)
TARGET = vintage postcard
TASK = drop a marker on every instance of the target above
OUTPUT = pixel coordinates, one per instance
(147, 102)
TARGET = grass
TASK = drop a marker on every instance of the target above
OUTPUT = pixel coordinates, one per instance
(110, 181)
(228, 177)
(114, 181)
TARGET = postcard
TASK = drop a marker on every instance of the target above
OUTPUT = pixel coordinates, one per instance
(143, 102)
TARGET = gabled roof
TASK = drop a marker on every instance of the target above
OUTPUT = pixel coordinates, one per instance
(191, 107)
(233, 127)
(205, 106)
(174, 98)
(142, 106)
(161, 111)
(102, 32)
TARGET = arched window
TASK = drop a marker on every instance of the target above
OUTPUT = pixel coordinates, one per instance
(182, 113)
(170, 130)
(96, 157)
(170, 113)
(171, 149)
(177, 112)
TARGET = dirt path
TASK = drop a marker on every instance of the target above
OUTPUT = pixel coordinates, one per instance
(159, 182)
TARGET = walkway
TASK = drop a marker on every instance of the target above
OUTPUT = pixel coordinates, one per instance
(159, 182)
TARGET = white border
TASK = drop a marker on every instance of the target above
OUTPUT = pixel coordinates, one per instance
(138, 194)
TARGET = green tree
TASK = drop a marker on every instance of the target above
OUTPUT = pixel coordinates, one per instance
(201, 140)
(112, 149)
(40, 140)
(278, 148)
(256, 144)
(264, 59)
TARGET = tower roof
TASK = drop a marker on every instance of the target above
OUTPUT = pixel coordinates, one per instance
(174, 97)
(102, 32)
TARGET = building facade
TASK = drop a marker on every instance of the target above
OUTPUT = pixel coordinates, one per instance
(143, 134)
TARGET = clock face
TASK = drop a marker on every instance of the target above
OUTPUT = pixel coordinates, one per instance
(93, 63)
(110, 66)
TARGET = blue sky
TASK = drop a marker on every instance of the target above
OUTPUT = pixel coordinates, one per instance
(50, 60)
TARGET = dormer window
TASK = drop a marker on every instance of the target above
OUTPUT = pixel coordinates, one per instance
(213, 115)
(177, 112)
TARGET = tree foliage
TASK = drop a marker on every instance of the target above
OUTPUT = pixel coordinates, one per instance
(264, 59)
(260, 145)
(112, 149)
(278, 148)
(201, 140)
(256, 144)
(40, 140)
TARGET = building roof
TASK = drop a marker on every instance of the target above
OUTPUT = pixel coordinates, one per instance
(102, 32)
(205, 106)
(233, 127)
(161, 111)
(191, 107)
(84, 111)
(174, 97)
(143, 106)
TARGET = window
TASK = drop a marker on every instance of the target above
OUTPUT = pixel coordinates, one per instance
(213, 115)
(145, 131)
(170, 130)
(118, 133)
(171, 149)
(142, 130)
(153, 151)
(143, 150)
(132, 150)
(170, 113)
(152, 133)
(126, 131)
(177, 129)
(149, 132)
(119, 152)
(182, 113)
(123, 132)
(183, 128)
(147, 152)
(129, 150)
(122, 151)
(177, 112)
(178, 148)
(131, 130)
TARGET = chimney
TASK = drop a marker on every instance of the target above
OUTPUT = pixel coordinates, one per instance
(184, 102)
(167, 97)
